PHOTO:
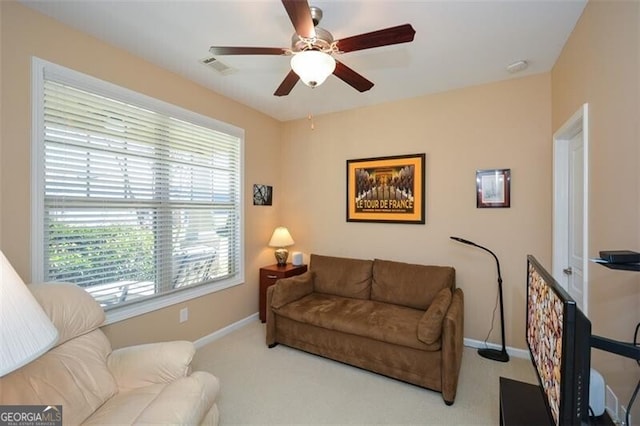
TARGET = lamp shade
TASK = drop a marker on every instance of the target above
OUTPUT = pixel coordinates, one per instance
(281, 238)
(25, 329)
(313, 66)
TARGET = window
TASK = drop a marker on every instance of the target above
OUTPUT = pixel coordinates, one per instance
(137, 201)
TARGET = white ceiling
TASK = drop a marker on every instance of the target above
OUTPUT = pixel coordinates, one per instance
(457, 44)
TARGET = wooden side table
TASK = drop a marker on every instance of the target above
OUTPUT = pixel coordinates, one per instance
(268, 277)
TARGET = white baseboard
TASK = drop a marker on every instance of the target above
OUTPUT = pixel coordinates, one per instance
(514, 352)
(224, 331)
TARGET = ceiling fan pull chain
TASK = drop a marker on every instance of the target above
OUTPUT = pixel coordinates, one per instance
(312, 126)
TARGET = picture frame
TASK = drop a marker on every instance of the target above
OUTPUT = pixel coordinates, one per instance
(493, 188)
(262, 195)
(386, 189)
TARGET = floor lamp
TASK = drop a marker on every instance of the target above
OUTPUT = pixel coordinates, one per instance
(494, 354)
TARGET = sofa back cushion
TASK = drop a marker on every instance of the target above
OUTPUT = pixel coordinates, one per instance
(405, 284)
(341, 276)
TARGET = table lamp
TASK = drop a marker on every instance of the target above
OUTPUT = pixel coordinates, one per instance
(281, 238)
(26, 332)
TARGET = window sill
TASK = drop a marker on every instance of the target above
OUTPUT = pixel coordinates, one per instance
(125, 312)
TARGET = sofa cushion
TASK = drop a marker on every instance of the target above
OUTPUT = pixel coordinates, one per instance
(405, 284)
(380, 321)
(341, 276)
(430, 325)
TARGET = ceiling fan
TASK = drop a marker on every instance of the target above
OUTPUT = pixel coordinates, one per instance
(313, 49)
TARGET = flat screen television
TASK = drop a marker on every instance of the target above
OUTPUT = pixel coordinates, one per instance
(559, 338)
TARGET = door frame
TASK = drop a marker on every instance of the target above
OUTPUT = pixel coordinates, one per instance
(561, 138)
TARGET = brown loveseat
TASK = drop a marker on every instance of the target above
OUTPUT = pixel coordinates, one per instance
(401, 320)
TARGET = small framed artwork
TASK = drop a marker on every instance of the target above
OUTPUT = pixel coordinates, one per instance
(493, 188)
(386, 189)
(262, 195)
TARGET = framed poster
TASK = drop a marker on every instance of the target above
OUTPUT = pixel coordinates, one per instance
(493, 188)
(386, 189)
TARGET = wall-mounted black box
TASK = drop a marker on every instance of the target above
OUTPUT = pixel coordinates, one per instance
(620, 256)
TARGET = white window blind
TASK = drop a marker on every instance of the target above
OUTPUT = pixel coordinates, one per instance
(136, 204)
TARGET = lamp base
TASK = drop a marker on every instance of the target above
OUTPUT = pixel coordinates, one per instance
(281, 256)
(494, 354)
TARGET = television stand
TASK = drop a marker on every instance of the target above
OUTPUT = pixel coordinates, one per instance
(521, 404)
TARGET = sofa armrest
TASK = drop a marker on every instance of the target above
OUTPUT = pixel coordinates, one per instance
(430, 325)
(142, 365)
(271, 324)
(286, 290)
(452, 346)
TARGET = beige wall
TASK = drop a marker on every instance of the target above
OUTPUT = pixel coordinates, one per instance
(501, 125)
(26, 34)
(599, 65)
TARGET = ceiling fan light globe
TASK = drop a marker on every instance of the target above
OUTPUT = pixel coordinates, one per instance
(313, 66)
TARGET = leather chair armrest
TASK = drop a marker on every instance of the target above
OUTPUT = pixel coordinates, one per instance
(142, 365)
(452, 346)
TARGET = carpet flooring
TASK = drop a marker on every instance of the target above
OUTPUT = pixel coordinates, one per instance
(285, 386)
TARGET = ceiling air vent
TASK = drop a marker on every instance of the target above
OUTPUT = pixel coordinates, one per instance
(217, 65)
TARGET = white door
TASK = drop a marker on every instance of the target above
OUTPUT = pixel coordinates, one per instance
(575, 253)
(570, 207)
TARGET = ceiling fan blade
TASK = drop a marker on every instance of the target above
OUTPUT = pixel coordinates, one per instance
(300, 15)
(394, 35)
(229, 50)
(287, 84)
(351, 77)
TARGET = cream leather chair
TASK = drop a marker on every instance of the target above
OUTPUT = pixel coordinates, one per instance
(145, 384)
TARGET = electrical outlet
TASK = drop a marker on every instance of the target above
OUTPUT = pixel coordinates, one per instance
(184, 314)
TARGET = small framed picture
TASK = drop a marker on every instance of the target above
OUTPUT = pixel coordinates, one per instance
(493, 188)
(262, 195)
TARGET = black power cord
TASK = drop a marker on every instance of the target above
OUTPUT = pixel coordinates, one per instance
(493, 319)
